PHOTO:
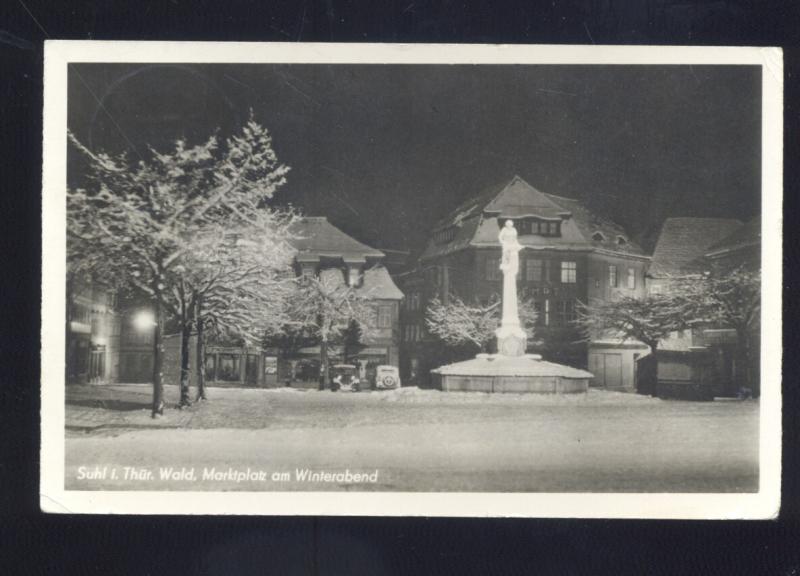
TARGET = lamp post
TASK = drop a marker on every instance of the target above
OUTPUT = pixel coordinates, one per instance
(148, 320)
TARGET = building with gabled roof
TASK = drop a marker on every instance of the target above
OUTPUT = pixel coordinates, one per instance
(321, 248)
(570, 254)
(683, 243)
(702, 359)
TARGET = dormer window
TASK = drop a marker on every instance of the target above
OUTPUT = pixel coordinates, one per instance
(528, 226)
(598, 237)
(445, 236)
(621, 241)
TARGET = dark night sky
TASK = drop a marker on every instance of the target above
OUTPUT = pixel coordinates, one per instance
(384, 151)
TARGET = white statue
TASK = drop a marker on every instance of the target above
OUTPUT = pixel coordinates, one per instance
(511, 248)
(510, 336)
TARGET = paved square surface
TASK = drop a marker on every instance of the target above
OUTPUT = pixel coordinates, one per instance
(409, 440)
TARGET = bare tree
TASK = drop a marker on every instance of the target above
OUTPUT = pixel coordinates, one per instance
(648, 319)
(730, 299)
(145, 216)
(473, 324)
(325, 308)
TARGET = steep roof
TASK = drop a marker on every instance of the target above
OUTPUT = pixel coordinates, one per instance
(476, 222)
(377, 283)
(747, 235)
(683, 242)
(318, 237)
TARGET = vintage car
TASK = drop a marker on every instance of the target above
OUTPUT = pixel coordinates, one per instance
(387, 377)
(344, 377)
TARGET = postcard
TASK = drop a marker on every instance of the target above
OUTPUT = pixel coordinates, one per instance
(411, 280)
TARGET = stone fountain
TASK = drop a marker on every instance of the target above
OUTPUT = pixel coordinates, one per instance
(511, 369)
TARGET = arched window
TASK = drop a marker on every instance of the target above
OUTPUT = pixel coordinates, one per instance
(598, 237)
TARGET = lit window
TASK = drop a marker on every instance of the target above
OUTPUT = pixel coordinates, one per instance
(533, 270)
(568, 272)
(612, 275)
(631, 278)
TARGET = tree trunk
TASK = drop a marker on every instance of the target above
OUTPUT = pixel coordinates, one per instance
(158, 356)
(323, 365)
(200, 352)
(186, 334)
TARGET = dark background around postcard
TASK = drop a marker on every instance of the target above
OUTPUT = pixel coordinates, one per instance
(33, 543)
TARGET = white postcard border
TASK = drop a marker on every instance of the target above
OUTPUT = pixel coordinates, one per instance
(54, 497)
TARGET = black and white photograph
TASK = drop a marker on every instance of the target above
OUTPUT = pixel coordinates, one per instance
(411, 280)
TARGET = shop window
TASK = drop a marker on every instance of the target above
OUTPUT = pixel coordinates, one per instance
(229, 367)
(211, 367)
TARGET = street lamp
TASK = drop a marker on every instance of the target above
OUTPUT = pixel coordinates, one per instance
(144, 320)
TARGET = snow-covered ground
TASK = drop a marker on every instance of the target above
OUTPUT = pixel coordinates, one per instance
(417, 440)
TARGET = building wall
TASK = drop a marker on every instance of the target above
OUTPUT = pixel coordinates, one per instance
(614, 365)
(474, 273)
(93, 334)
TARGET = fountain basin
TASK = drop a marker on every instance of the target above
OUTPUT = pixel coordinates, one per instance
(513, 374)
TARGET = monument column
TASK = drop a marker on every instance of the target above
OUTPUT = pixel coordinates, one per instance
(511, 338)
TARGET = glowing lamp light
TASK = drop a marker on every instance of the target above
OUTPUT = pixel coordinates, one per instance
(144, 320)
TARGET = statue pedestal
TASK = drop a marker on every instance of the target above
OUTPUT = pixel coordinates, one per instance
(511, 340)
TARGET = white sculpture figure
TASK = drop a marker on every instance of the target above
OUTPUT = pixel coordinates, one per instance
(510, 336)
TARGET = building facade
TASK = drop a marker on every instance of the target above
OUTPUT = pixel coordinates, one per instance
(320, 247)
(705, 360)
(569, 255)
(93, 327)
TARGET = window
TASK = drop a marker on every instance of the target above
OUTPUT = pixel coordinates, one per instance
(533, 270)
(552, 229)
(547, 312)
(621, 240)
(445, 236)
(568, 272)
(631, 278)
(229, 367)
(566, 311)
(612, 275)
(535, 227)
(538, 307)
(492, 268)
(655, 289)
(598, 237)
(384, 316)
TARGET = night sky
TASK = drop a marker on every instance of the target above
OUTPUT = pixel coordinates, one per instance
(384, 151)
